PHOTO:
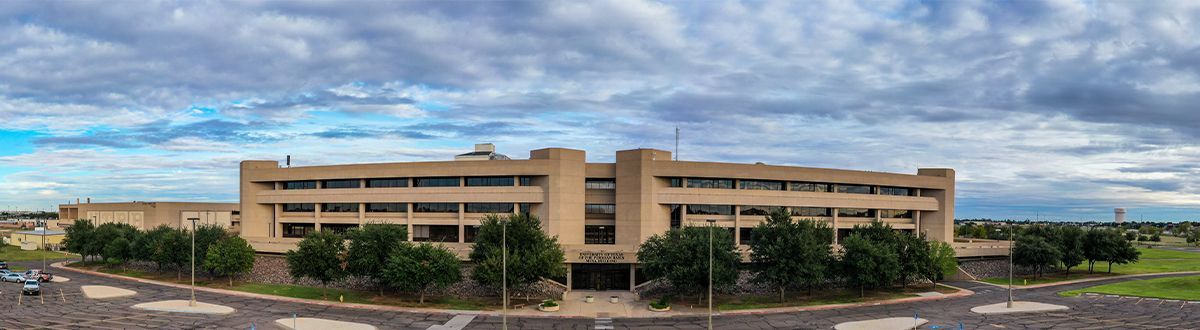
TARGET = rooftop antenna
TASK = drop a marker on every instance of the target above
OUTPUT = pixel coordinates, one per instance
(289, 161)
(676, 142)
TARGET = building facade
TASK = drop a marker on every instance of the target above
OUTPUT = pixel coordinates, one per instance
(600, 212)
(147, 215)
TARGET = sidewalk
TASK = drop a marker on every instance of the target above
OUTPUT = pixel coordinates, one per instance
(1084, 280)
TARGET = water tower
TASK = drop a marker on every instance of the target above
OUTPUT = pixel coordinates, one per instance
(1120, 215)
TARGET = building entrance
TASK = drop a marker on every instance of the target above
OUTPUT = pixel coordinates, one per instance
(599, 277)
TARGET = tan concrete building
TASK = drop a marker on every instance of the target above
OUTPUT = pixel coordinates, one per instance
(147, 215)
(600, 212)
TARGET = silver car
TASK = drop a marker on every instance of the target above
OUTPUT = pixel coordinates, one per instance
(13, 277)
(32, 288)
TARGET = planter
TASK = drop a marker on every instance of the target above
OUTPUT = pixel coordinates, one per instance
(549, 308)
(614, 299)
(589, 299)
(664, 309)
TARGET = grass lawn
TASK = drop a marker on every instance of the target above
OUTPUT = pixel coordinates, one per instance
(819, 297)
(1186, 287)
(308, 292)
(14, 253)
(1151, 261)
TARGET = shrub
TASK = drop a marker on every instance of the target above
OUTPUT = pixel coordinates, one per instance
(549, 303)
(661, 303)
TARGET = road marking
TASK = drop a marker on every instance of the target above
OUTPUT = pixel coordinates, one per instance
(1139, 301)
(455, 323)
(604, 323)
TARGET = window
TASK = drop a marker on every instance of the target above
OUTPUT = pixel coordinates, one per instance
(747, 236)
(903, 214)
(339, 207)
(436, 207)
(297, 230)
(676, 215)
(387, 183)
(469, 233)
(855, 189)
(489, 207)
(599, 235)
(525, 207)
(710, 183)
(895, 191)
(600, 209)
(338, 228)
(856, 213)
(435, 233)
(491, 181)
(675, 182)
(600, 184)
(436, 182)
(526, 181)
(757, 210)
(810, 186)
(299, 207)
(710, 209)
(300, 185)
(760, 185)
(339, 184)
(811, 212)
(387, 207)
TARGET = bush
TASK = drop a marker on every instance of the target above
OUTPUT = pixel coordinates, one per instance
(661, 303)
(549, 303)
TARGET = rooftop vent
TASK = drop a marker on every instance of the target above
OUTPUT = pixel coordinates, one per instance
(483, 151)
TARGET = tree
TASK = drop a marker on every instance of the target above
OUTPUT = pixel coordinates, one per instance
(868, 263)
(1069, 242)
(1034, 251)
(230, 256)
(422, 268)
(1183, 229)
(784, 253)
(1193, 237)
(1098, 245)
(680, 258)
(532, 255)
(1123, 253)
(370, 247)
(78, 236)
(943, 261)
(912, 253)
(1131, 236)
(118, 250)
(319, 257)
(106, 234)
(145, 247)
(206, 236)
(173, 248)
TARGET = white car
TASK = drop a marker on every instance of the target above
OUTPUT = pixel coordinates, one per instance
(32, 287)
(13, 277)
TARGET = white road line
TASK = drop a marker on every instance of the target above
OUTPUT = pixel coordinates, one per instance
(456, 323)
(604, 323)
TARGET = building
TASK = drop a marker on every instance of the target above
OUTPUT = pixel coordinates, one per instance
(147, 215)
(1119, 215)
(33, 239)
(600, 212)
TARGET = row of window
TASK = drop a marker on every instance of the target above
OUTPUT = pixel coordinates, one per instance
(791, 186)
(421, 233)
(796, 211)
(471, 181)
(403, 207)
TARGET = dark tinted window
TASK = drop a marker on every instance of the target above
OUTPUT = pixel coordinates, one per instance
(757, 210)
(600, 184)
(300, 185)
(299, 207)
(676, 215)
(710, 209)
(809, 186)
(337, 184)
(599, 234)
(895, 214)
(896, 191)
(600, 209)
(387, 183)
(436, 182)
(491, 181)
(436, 207)
(489, 207)
(339, 207)
(675, 182)
(526, 181)
(525, 207)
(855, 189)
(856, 213)
(297, 230)
(747, 236)
(387, 207)
(469, 233)
(811, 212)
(710, 183)
(338, 228)
(760, 185)
(431, 233)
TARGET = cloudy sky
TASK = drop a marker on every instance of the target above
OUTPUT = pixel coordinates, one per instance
(1063, 109)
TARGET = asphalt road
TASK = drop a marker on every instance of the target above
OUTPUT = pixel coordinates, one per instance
(78, 312)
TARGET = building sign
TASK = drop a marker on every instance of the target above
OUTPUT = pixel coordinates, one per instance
(602, 257)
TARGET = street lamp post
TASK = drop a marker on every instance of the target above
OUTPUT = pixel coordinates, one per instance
(192, 303)
(711, 224)
(504, 272)
(1010, 263)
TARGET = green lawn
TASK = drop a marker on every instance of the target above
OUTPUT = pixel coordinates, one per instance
(1151, 261)
(820, 297)
(1187, 288)
(14, 253)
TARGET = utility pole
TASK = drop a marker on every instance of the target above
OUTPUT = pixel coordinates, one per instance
(711, 224)
(504, 272)
(1010, 263)
(676, 142)
(193, 302)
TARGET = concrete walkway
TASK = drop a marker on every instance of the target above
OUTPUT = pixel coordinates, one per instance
(891, 323)
(184, 306)
(105, 292)
(1018, 307)
(315, 323)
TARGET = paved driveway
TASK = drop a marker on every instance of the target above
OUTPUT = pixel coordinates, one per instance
(80, 313)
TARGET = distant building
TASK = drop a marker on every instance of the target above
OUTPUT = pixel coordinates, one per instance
(147, 215)
(33, 239)
(1120, 215)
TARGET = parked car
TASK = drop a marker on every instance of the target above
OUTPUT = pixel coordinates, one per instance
(13, 277)
(5, 272)
(3, 265)
(32, 288)
(39, 275)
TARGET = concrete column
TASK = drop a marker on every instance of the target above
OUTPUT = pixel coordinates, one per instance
(461, 216)
(362, 214)
(737, 223)
(835, 224)
(408, 221)
(275, 225)
(632, 276)
(916, 217)
(317, 212)
(569, 277)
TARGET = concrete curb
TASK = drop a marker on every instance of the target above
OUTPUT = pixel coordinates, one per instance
(1085, 280)
(62, 265)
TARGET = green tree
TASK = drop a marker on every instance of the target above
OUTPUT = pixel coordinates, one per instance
(206, 236)
(1034, 251)
(1183, 229)
(1069, 242)
(784, 253)
(1098, 245)
(1131, 236)
(118, 251)
(1193, 237)
(943, 261)
(319, 257)
(370, 247)
(173, 248)
(912, 252)
(422, 268)
(680, 258)
(230, 256)
(532, 255)
(868, 263)
(78, 236)
(107, 233)
(1123, 253)
(145, 247)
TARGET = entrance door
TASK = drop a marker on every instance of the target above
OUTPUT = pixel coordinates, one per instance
(599, 277)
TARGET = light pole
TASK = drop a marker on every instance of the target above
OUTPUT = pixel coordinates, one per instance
(1010, 263)
(192, 303)
(43, 244)
(504, 272)
(711, 224)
